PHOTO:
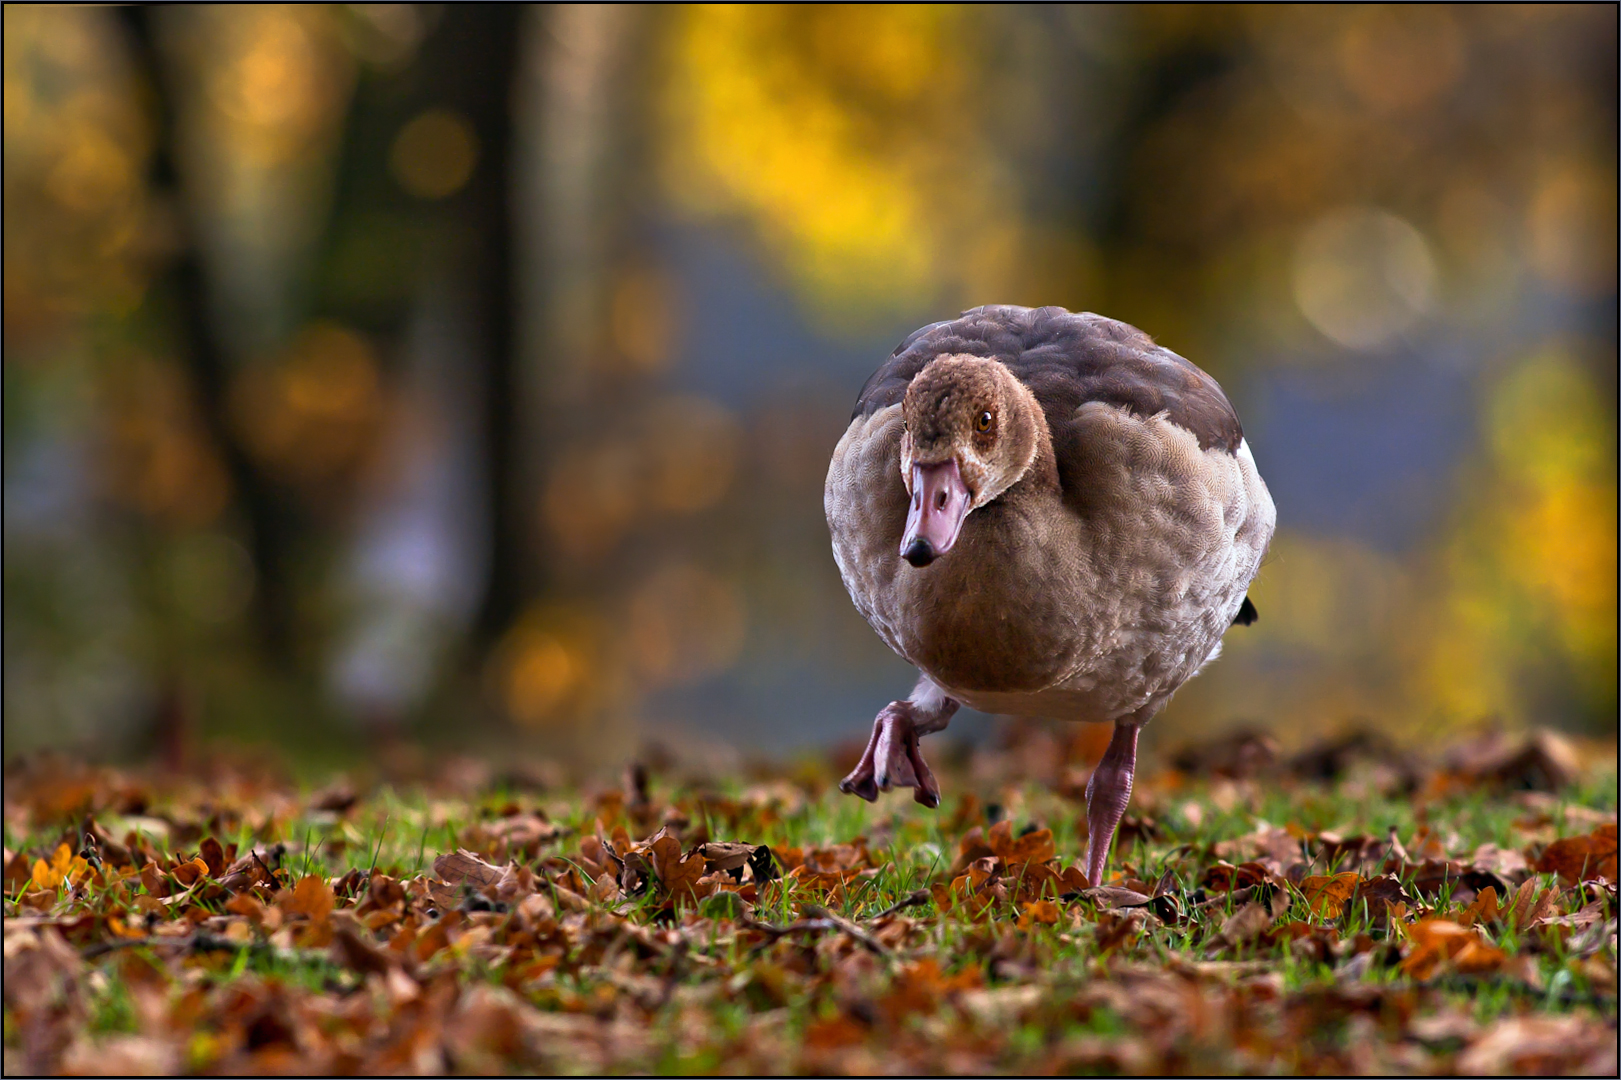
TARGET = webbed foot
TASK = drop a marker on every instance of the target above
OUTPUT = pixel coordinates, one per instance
(894, 758)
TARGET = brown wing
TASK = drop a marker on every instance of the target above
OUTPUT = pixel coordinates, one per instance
(1067, 360)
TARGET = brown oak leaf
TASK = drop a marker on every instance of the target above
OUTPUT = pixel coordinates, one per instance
(1032, 847)
(1327, 896)
(463, 866)
(678, 874)
(1437, 944)
(213, 856)
(1582, 858)
(311, 897)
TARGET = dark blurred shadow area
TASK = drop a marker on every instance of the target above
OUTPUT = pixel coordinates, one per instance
(466, 375)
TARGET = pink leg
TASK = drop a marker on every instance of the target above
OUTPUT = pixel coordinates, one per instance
(893, 757)
(1107, 794)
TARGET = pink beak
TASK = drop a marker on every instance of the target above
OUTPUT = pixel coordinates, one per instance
(940, 502)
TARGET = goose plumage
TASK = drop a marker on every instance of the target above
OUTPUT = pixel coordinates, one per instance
(1048, 515)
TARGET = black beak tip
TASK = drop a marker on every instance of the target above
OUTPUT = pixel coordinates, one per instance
(920, 553)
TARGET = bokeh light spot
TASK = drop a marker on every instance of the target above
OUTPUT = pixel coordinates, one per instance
(542, 674)
(1398, 59)
(1572, 226)
(685, 624)
(692, 449)
(1362, 276)
(276, 81)
(95, 174)
(385, 35)
(641, 320)
(158, 461)
(313, 412)
(679, 457)
(434, 155)
(552, 668)
(592, 498)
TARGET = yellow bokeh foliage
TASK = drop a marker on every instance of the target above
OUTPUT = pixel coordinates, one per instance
(850, 139)
(1530, 568)
(76, 151)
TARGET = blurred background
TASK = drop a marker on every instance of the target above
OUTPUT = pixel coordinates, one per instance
(466, 375)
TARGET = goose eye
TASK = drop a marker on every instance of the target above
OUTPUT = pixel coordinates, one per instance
(984, 422)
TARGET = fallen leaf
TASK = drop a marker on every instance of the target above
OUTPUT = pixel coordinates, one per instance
(155, 881)
(1327, 896)
(725, 856)
(1382, 895)
(1108, 896)
(1594, 912)
(678, 874)
(352, 947)
(1002, 1006)
(635, 873)
(1044, 912)
(1483, 910)
(1333, 758)
(18, 869)
(311, 897)
(1226, 877)
(1504, 862)
(64, 867)
(1247, 922)
(1582, 858)
(762, 866)
(247, 906)
(1600, 974)
(493, 960)
(213, 856)
(835, 1034)
(190, 872)
(723, 905)
(1269, 848)
(464, 866)
(1241, 754)
(521, 834)
(1540, 1046)
(1351, 852)
(1306, 940)
(1436, 943)
(1530, 905)
(336, 799)
(1033, 847)
(1542, 761)
(1116, 929)
(1134, 829)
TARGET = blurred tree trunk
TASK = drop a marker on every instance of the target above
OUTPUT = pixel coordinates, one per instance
(183, 284)
(472, 61)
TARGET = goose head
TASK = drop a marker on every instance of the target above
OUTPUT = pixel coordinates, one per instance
(972, 430)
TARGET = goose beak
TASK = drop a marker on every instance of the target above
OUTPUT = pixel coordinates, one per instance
(940, 502)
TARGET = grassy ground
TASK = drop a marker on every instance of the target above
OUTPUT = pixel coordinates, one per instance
(1393, 917)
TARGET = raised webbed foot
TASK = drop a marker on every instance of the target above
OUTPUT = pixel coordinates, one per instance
(894, 758)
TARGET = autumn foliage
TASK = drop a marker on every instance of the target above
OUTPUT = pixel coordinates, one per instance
(227, 922)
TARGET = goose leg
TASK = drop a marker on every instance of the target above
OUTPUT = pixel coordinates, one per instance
(893, 757)
(1107, 794)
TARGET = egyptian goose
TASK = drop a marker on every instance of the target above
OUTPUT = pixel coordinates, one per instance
(1048, 515)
